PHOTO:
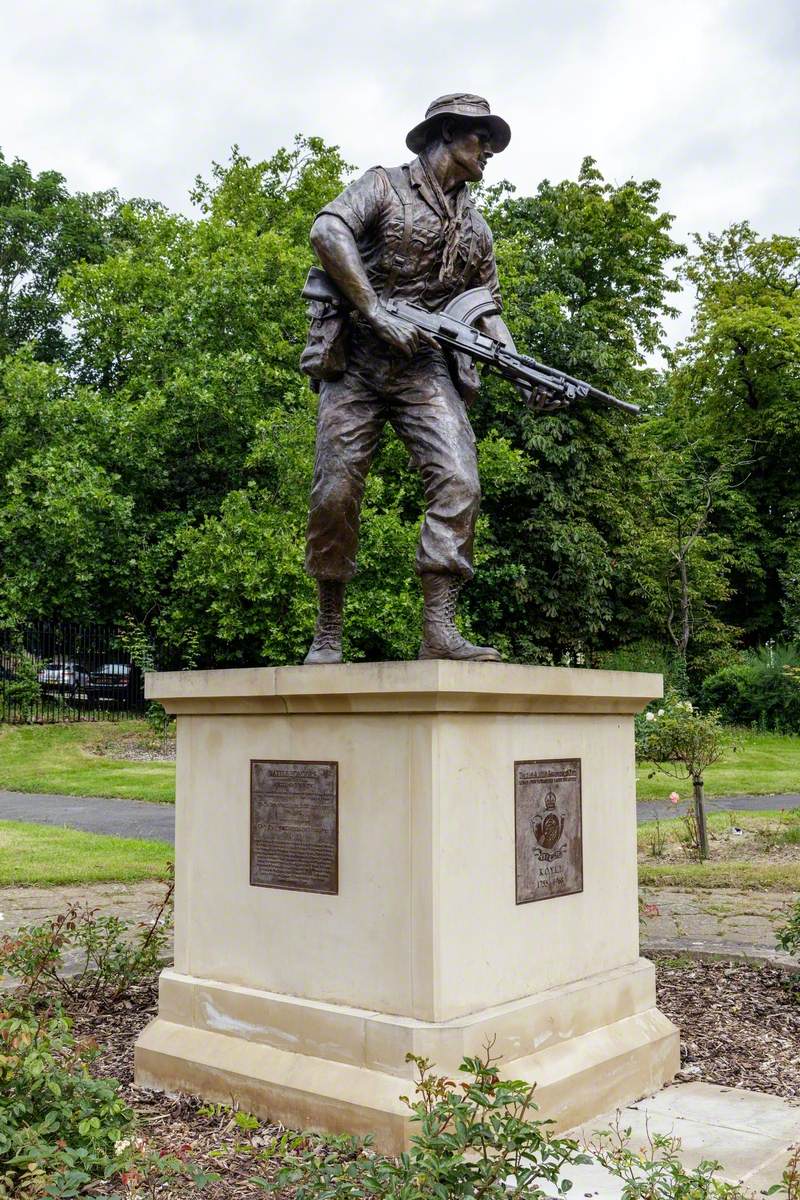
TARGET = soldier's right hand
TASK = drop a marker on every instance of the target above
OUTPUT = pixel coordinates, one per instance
(396, 332)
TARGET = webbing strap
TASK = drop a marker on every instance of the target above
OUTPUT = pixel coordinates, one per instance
(398, 181)
(463, 278)
(396, 177)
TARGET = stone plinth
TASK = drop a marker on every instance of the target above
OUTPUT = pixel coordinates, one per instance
(304, 1005)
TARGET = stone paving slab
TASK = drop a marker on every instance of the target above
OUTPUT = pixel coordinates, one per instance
(31, 905)
(717, 921)
(749, 1133)
(22, 906)
(712, 950)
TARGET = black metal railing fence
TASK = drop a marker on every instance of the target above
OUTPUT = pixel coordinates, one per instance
(54, 671)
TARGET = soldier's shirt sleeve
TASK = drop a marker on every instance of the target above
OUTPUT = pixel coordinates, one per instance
(361, 203)
(486, 267)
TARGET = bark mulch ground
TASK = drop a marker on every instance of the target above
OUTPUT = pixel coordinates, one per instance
(207, 1136)
(740, 1024)
(740, 1028)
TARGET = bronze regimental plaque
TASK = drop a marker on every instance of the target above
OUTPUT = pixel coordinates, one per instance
(549, 837)
(294, 825)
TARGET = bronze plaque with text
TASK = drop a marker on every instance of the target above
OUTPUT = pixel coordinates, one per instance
(549, 835)
(294, 825)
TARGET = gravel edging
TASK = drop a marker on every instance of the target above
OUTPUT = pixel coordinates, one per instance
(717, 951)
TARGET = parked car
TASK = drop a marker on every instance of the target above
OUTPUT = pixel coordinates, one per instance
(116, 684)
(63, 678)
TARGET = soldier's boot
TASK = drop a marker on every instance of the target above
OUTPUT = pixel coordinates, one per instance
(440, 638)
(327, 644)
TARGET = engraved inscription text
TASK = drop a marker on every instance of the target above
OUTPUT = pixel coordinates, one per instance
(294, 825)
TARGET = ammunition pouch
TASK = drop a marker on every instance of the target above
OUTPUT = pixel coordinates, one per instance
(325, 355)
(328, 343)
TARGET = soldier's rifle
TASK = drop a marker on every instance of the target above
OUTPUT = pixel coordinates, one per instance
(454, 329)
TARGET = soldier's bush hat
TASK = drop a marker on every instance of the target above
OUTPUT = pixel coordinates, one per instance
(460, 104)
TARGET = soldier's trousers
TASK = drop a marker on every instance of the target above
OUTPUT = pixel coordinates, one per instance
(417, 397)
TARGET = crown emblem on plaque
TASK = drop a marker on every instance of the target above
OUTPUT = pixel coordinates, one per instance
(548, 825)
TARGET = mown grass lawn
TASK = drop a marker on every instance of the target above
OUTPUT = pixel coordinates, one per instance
(58, 759)
(46, 855)
(783, 877)
(764, 764)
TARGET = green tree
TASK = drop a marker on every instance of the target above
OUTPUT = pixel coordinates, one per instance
(684, 743)
(585, 269)
(184, 346)
(737, 385)
(678, 556)
(790, 582)
(68, 536)
(43, 231)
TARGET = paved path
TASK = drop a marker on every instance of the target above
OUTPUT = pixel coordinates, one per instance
(136, 902)
(722, 922)
(751, 1134)
(123, 818)
(648, 810)
(156, 822)
(31, 905)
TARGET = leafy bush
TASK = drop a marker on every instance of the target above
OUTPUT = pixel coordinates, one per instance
(683, 743)
(61, 1130)
(762, 690)
(649, 655)
(148, 1173)
(139, 645)
(58, 1126)
(788, 936)
(680, 739)
(471, 1137)
(477, 1139)
(23, 692)
(113, 957)
(656, 1170)
(775, 656)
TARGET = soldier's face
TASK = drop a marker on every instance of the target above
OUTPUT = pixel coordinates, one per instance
(471, 147)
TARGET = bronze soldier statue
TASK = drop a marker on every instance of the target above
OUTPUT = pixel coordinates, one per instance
(410, 233)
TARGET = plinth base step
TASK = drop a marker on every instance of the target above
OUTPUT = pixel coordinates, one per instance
(346, 1073)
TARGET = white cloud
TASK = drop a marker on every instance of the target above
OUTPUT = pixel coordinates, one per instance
(701, 94)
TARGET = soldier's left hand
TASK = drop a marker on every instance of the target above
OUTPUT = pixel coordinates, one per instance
(543, 400)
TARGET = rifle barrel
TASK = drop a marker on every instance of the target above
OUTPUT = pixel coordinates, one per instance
(457, 335)
(626, 405)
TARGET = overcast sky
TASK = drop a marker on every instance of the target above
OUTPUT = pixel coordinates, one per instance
(703, 95)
